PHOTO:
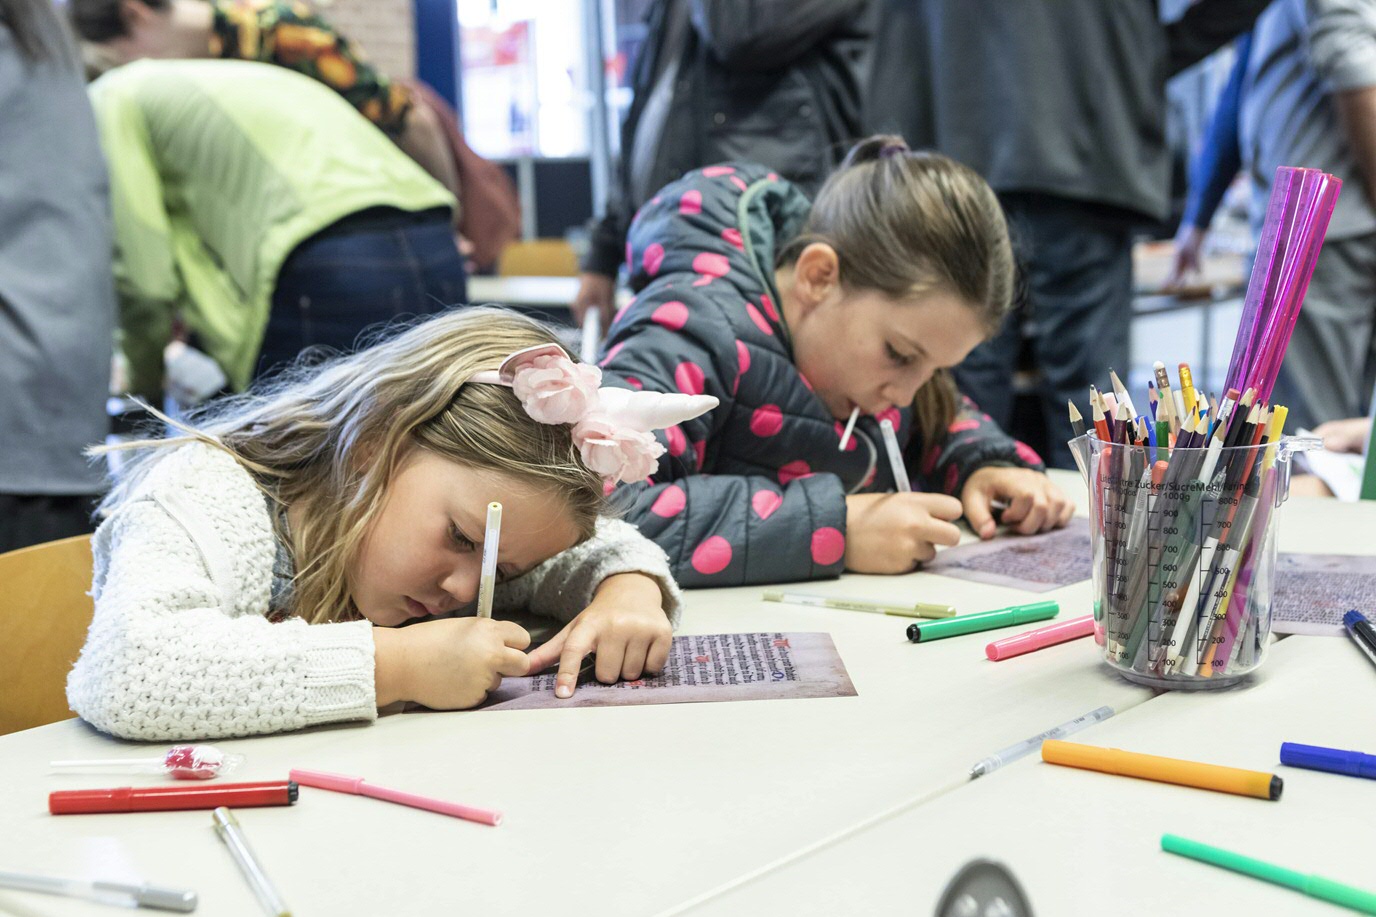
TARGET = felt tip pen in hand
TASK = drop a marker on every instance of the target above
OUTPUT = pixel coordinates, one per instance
(1333, 760)
(983, 620)
(488, 579)
(118, 894)
(1167, 770)
(227, 827)
(171, 798)
(901, 609)
(1306, 883)
(900, 471)
(1013, 752)
(1361, 632)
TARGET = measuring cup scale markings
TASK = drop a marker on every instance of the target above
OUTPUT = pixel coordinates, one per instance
(1184, 556)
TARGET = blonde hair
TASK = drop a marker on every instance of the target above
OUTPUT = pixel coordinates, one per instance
(326, 439)
(905, 223)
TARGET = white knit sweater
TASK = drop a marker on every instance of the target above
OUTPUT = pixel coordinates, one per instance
(181, 648)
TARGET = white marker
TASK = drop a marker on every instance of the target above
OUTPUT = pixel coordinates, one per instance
(489, 575)
(900, 471)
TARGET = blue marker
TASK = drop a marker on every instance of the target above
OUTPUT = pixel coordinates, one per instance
(1333, 760)
(1361, 632)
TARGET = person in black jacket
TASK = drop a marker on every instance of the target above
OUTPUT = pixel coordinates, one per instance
(1060, 105)
(796, 316)
(770, 81)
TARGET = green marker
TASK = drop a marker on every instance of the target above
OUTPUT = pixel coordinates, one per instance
(1311, 885)
(983, 620)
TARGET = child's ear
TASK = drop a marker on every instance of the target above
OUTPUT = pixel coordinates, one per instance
(816, 274)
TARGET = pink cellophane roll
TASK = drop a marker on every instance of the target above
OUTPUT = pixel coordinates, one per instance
(1297, 217)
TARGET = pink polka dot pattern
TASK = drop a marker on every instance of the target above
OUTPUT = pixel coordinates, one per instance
(929, 460)
(672, 315)
(893, 416)
(690, 203)
(733, 236)
(852, 444)
(869, 478)
(670, 502)
(742, 364)
(1028, 454)
(828, 546)
(769, 309)
(794, 471)
(773, 176)
(960, 426)
(712, 556)
(677, 441)
(688, 377)
(653, 258)
(635, 383)
(608, 487)
(764, 502)
(700, 450)
(711, 263)
(611, 354)
(767, 420)
(952, 475)
(759, 320)
(714, 171)
(736, 180)
(807, 383)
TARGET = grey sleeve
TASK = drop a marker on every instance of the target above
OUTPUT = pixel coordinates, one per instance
(1341, 42)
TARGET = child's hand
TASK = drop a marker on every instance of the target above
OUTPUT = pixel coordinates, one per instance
(447, 665)
(893, 533)
(625, 626)
(1034, 503)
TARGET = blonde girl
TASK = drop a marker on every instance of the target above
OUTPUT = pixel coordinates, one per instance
(254, 574)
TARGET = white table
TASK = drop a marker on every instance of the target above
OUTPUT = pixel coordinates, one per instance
(1087, 843)
(625, 810)
(1078, 840)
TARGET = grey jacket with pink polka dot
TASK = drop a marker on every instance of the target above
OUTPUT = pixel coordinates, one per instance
(753, 491)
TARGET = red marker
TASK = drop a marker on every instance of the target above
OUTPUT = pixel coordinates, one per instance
(164, 798)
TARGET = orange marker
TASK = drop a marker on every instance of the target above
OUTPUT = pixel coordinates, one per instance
(1167, 770)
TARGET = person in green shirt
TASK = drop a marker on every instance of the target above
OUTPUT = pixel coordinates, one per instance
(263, 231)
(288, 33)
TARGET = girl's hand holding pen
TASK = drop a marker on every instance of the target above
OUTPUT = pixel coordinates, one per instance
(1033, 502)
(449, 664)
(893, 533)
(625, 626)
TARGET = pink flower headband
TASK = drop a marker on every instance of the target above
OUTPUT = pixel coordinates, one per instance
(611, 426)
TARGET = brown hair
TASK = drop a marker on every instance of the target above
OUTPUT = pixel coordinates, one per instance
(326, 439)
(905, 222)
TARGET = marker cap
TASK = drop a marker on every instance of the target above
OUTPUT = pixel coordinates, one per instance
(1333, 760)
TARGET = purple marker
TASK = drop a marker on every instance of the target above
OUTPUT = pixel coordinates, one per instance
(1333, 760)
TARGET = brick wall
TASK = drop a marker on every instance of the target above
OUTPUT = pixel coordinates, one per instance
(385, 29)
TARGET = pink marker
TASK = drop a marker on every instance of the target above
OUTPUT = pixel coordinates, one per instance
(1007, 648)
(360, 787)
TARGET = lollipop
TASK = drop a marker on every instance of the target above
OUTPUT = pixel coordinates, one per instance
(182, 762)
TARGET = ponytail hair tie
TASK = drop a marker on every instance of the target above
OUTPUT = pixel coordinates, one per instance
(893, 149)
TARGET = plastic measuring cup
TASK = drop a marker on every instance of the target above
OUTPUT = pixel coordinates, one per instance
(1184, 557)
